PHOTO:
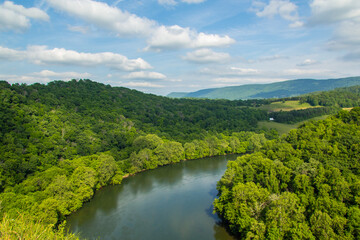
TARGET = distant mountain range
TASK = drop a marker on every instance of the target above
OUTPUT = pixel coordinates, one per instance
(273, 90)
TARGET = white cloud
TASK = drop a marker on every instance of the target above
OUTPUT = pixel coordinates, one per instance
(212, 40)
(307, 62)
(167, 2)
(230, 72)
(296, 24)
(244, 71)
(176, 37)
(80, 29)
(332, 11)
(61, 56)
(296, 72)
(125, 24)
(206, 55)
(100, 14)
(145, 75)
(10, 54)
(34, 13)
(284, 8)
(142, 84)
(175, 80)
(16, 17)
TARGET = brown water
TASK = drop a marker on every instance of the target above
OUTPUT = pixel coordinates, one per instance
(171, 202)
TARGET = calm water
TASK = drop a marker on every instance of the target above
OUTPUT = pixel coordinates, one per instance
(172, 202)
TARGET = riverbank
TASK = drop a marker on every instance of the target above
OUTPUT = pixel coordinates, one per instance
(179, 196)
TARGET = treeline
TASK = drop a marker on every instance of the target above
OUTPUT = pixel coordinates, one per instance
(61, 189)
(305, 185)
(342, 97)
(295, 116)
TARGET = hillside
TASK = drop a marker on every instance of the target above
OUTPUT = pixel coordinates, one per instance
(273, 90)
(302, 186)
(62, 141)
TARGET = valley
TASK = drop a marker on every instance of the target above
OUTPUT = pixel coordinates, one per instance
(63, 142)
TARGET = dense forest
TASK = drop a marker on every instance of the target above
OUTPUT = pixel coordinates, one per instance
(44, 124)
(341, 97)
(62, 141)
(305, 185)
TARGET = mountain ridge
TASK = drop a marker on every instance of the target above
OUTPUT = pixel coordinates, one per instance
(289, 88)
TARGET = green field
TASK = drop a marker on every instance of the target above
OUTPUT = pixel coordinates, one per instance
(283, 128)
(285, 106)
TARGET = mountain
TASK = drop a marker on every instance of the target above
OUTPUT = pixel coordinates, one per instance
(273, 90)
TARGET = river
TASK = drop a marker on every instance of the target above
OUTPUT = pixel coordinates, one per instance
(171, 202)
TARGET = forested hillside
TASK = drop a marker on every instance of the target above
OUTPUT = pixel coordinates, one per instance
(341, 97)
(62, 141)
(272, 90)
(305, 185)
(178, 119)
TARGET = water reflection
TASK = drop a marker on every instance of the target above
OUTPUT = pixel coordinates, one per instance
(171, 202)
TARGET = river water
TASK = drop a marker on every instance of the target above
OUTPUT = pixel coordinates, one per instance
(171, 202)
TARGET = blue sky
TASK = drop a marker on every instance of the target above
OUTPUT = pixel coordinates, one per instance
(161, 46)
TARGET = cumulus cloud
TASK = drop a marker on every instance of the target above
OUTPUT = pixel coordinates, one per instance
(284, 8)
(125, 24)
(145, 75)
(100, 14)
(332, 11)
(10, 54)
(61, 56)
(16, 17)
(176, 37)
(206, 55)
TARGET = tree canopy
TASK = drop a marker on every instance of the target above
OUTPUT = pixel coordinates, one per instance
(302, 186)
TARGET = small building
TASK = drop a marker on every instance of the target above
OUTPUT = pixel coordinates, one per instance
(271, 119)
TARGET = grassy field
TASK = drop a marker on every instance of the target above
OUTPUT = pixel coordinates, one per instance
(285, 106)
(283, 128)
